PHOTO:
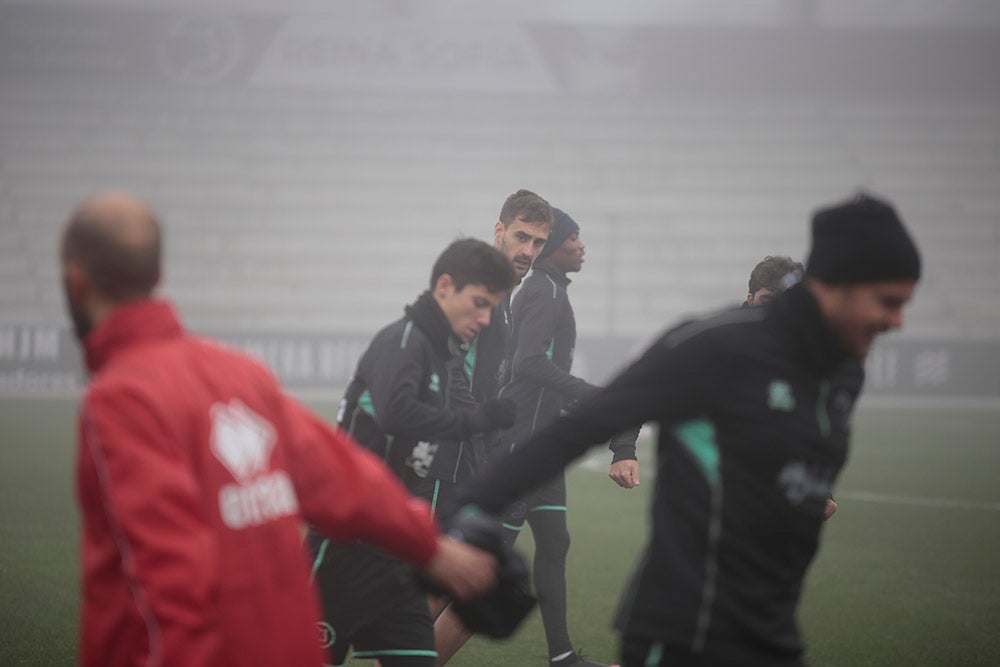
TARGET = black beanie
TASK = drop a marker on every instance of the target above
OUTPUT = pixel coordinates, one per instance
(861, 241)
(563, 227)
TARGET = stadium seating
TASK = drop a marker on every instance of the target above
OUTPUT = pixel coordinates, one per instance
(302, 209)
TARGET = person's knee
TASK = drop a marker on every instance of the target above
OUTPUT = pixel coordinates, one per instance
(557, 545)
(551, 539)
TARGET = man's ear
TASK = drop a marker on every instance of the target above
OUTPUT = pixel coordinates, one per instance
(77, 281)
(498, 230)
(750, 298)
(443, 285)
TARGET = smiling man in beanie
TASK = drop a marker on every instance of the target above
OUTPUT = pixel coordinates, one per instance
(754, 407)
(862, 268)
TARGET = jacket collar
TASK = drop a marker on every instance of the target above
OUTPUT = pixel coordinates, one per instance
(430, 319)
(797, 319)
(128, 325)
(560, 279)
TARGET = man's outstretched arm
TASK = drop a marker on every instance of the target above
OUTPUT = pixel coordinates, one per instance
(656, 387)
(348, 493)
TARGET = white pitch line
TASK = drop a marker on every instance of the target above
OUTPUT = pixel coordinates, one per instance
(866, 496)
(599, 462)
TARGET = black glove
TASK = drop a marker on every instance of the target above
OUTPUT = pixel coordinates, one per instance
(497, 613)
(493, 414)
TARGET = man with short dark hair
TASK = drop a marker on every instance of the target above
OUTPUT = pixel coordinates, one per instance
(195, 472)
(767, 277)
(754, 408)
(409, 402)
(523, 226)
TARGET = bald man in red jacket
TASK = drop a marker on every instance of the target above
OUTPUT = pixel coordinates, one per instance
(195, 473)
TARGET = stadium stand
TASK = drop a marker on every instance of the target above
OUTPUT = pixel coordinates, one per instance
(318, 210)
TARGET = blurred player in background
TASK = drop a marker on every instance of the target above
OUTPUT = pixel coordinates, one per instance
(754, 408)
(767, 277)
(194, 474)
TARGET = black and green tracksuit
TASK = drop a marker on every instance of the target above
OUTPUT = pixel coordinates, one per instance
(409, 403)
(486, 359)
(543, 340)
(409, 399)
(754, 408)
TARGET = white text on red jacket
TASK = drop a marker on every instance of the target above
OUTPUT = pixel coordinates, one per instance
(243, 441)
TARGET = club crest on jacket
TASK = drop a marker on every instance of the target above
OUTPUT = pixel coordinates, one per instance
(243, 442)
(421, 458)
(241, 439)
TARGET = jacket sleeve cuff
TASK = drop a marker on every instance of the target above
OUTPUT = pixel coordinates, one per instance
(623, 444)
(623, 453)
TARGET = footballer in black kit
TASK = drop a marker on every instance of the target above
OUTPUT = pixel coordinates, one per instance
(754, 408)
(409, 403)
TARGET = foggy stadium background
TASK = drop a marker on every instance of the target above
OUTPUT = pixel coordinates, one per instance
(310, 159)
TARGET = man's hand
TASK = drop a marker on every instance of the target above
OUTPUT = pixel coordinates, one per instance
(462, 570)
(625, 473)
(831, 507)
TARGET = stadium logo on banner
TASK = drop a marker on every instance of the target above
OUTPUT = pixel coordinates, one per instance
(200, 50)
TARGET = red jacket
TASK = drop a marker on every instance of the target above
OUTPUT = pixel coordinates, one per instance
(194, 475)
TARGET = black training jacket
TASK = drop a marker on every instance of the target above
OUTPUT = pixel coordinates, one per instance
(486, 359)
(754, 408)
(542, 344)
(485, 369)
(409, 400)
